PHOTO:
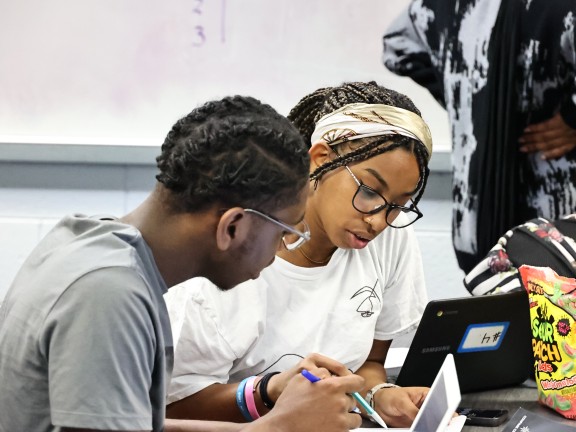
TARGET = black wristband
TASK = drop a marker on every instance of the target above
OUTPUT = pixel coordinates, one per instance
(263, 384)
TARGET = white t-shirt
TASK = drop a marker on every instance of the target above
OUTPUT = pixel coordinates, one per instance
(337, 310)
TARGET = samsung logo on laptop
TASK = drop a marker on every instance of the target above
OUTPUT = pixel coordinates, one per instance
(441, 348)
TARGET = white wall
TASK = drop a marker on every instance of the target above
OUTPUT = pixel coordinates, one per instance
(443, 276)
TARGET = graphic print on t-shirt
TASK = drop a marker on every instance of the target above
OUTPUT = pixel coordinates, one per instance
(366, 294)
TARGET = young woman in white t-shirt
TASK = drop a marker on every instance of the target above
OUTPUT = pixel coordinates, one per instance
(346, 293)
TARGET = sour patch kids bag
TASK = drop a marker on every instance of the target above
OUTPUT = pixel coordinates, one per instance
(552, 300)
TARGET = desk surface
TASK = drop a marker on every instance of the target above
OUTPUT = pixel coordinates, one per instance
(512, 398)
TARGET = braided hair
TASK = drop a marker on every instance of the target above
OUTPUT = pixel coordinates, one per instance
(326, 100)
(235, 152)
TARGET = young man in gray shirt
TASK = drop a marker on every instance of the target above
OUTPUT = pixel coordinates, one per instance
(85, 341)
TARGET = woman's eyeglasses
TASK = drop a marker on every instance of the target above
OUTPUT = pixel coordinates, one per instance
(301, 236)
(368, 201)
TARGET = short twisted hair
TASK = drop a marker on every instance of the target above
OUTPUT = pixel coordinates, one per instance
(235, 152)
(324, 101)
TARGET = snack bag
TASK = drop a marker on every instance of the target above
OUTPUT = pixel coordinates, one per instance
(552, 301)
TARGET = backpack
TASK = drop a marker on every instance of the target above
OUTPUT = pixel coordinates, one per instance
(538, 242)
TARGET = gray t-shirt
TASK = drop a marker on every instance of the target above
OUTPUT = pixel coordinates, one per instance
(85, 339)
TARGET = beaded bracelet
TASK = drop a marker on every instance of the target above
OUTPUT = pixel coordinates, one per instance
(241, 401)
(268, 403)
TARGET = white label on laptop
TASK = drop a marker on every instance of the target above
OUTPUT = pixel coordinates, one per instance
(483, 337)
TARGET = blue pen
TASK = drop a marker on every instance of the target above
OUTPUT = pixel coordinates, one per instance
(313, 378)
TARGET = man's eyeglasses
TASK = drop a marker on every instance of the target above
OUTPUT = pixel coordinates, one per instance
(301, 237)
(368, 201)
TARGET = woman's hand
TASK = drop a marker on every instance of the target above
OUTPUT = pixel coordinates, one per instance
(398, 406)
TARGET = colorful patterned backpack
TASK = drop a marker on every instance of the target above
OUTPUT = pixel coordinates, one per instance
(538, 242)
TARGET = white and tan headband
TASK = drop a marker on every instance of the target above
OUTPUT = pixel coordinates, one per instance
(360, 120)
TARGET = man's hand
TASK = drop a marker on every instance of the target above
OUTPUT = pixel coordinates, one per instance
(554, 138)
(325, 405)
(278, 383)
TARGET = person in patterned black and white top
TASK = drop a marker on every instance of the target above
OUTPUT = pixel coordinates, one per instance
(505, 72)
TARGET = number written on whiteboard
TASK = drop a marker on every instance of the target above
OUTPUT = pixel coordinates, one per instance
(209, 19)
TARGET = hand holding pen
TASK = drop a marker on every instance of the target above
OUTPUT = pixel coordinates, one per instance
(312, 362)
(313, 378)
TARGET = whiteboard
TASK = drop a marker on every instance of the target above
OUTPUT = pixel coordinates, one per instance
(123, 71)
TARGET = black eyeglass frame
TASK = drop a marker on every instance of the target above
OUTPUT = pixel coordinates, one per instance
(386, 206)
